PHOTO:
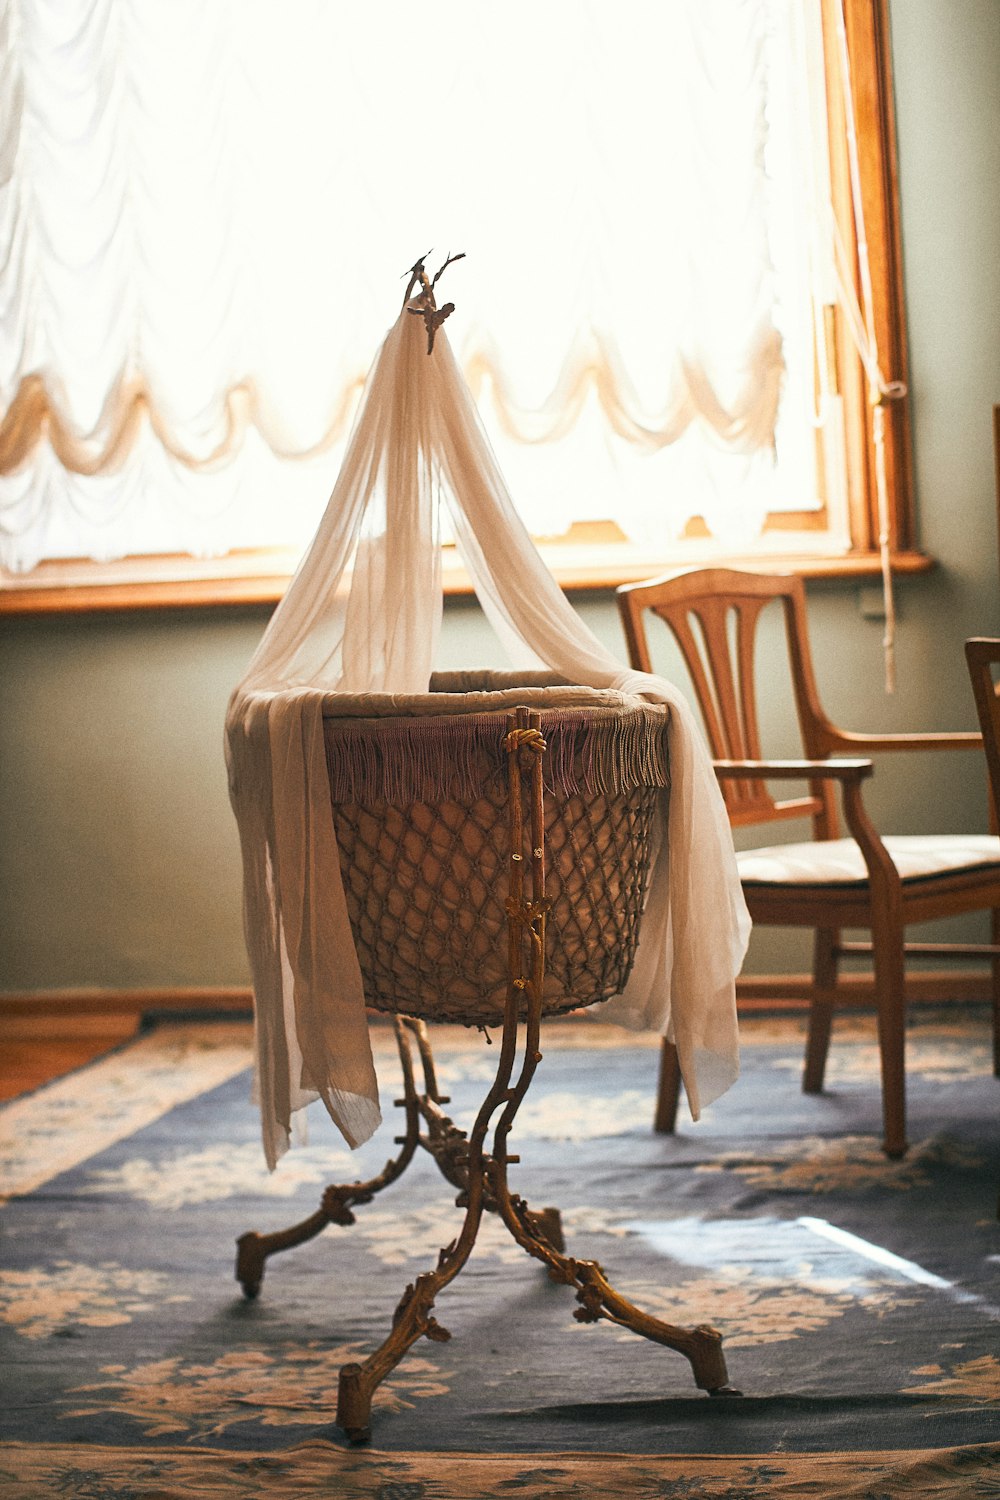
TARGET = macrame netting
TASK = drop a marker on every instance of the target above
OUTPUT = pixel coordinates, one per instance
(420, 798)
(362, 617)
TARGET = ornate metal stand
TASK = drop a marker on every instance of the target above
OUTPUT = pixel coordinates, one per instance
(480, 1175)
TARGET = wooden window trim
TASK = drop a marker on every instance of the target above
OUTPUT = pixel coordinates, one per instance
(260, 578)
(590, 557)
(868, 40)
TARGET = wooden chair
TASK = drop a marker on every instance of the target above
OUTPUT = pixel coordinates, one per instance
(829, 883)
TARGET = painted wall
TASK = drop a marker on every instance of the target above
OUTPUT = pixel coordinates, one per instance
(118, 854)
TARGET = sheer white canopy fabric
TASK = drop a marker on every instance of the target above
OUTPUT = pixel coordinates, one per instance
(362, 616)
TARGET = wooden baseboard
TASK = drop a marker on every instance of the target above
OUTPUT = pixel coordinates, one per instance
(90, 1010)
(95, 1002)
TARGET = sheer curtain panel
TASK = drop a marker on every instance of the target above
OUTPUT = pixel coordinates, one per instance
(203, 203)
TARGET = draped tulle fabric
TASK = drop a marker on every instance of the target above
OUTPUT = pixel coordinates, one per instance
(362, 615)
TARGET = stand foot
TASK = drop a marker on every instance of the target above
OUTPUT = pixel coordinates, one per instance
(252, 1249)
(354, 1405)
(701, 1346)
(250, 1260)
(411, 1321)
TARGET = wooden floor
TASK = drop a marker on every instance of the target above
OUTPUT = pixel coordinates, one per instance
(33, 1053)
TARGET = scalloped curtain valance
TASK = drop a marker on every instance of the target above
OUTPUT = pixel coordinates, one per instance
(202, 204)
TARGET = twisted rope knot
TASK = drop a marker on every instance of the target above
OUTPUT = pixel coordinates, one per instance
(528, 739)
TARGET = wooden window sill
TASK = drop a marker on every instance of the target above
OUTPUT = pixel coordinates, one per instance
(261, 577)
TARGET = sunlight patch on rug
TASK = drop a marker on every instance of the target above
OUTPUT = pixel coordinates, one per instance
(218, 1172)
(772, 1280)
(571, 1117)
(61, 1125)
(937, 1057)
(748, 1310)
(908, 1269)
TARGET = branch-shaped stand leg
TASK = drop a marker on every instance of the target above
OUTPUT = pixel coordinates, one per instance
(598, 1299)
(411, 1321)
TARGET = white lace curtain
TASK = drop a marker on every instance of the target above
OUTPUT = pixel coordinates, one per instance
(202, 205)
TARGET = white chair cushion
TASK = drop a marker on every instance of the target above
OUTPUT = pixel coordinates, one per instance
(839, 861)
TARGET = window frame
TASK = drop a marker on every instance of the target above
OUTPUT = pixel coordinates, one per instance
(590, 556)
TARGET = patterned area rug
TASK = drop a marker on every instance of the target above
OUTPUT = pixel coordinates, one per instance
(858, 1298)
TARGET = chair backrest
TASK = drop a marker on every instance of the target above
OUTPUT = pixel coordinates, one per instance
(713, 614)
(983, 655)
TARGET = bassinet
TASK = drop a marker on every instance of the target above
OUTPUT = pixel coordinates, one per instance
(481, 851)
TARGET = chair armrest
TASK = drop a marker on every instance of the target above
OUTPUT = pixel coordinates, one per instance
(794, 770)
(872, 744)
(882, 872)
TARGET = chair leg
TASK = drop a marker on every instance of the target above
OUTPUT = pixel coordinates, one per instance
(825, 946)
(890, 991)
(667, 1091)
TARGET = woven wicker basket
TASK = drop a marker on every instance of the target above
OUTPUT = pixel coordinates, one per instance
(419, 795)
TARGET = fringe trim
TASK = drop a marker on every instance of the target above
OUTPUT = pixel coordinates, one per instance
(401, 761)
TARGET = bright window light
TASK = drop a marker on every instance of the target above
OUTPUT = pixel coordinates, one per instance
(211, 204)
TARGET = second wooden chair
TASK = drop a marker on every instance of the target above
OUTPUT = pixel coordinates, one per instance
(830, 883)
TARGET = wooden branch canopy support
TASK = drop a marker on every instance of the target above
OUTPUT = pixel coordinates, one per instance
(480, 1175)
(425, 306)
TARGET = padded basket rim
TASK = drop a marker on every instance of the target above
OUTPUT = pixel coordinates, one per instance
(451, 696)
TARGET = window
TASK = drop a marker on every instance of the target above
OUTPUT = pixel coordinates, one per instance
(205, 219)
